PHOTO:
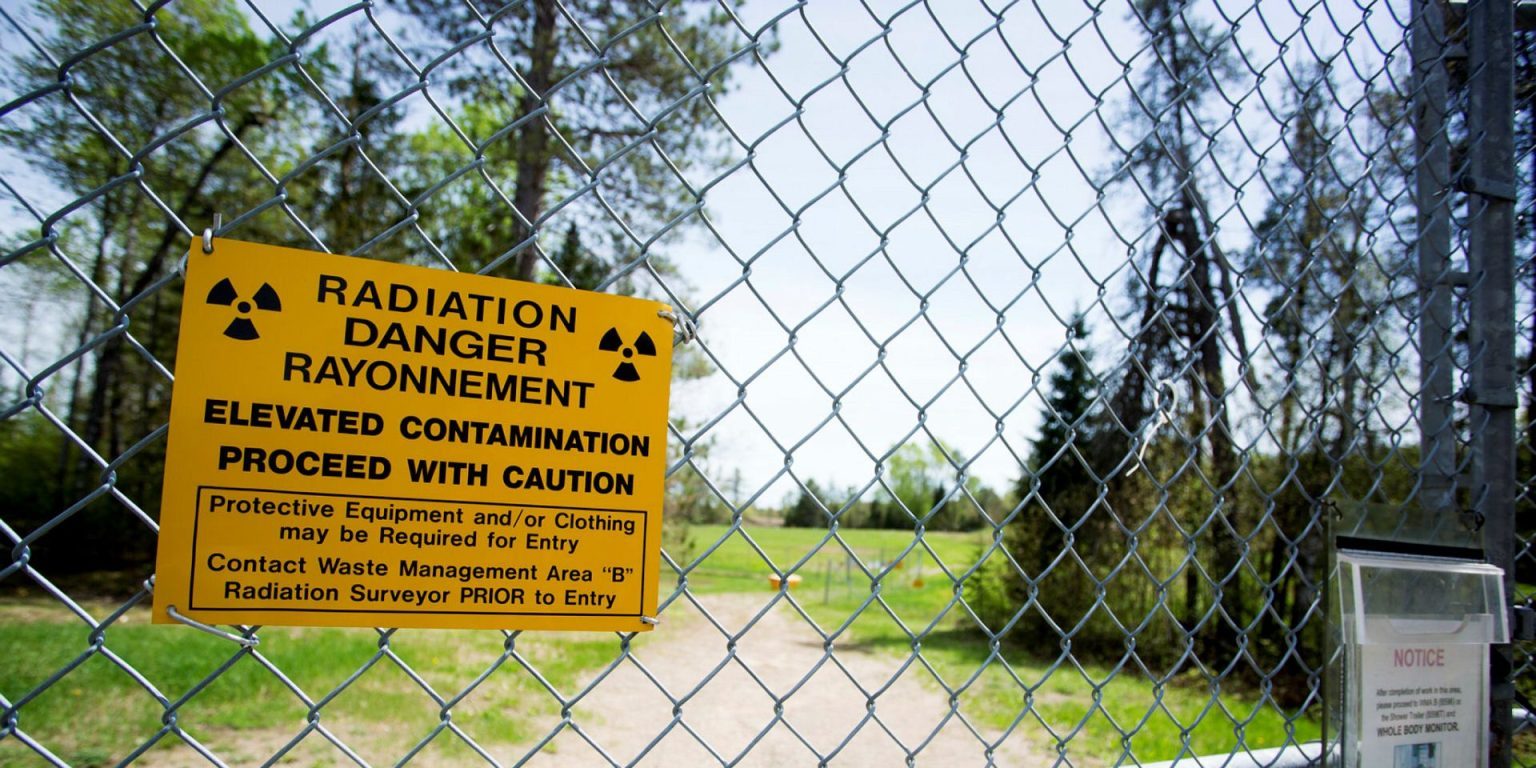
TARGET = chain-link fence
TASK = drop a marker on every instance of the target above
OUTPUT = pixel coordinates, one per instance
(1041, 347)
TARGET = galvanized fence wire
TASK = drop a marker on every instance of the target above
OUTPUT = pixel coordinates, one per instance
(1224, 192)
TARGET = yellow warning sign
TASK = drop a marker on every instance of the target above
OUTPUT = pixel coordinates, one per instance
(357, 443)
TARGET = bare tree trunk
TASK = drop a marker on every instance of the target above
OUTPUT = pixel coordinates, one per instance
(1347, 336)
(66, 468)
(532, 141)
(100, 428)
(1204, 336)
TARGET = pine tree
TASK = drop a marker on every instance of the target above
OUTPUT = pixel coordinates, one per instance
(1067, 428)
(1058, 511)
(579, 267)
(1310, 257)
(807, 511)
(352, 197)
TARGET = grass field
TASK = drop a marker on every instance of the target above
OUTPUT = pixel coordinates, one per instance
(98, 713)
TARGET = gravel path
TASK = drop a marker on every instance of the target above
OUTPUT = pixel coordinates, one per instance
(624, 714)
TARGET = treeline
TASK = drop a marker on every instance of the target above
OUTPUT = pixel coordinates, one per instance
(917, 489)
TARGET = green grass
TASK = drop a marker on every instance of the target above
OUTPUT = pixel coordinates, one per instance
(1113, 710)
(740, 563)
(97, 714)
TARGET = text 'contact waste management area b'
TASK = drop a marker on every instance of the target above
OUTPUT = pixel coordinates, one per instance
(357, 443)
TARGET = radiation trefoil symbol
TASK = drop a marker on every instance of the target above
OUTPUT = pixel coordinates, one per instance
(224, 294)
(643, 345)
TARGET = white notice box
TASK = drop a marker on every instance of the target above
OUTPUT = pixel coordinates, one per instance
(1416, 633)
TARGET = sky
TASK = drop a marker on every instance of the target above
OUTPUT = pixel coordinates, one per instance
(897, 263)
(918, 376)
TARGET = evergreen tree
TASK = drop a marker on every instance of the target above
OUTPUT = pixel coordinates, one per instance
(1310, 256)
(1061, 475)
(807, 511)
(352, 197)
(579, 267)
(1068, 429)
(1058, 521)
(1525, 180)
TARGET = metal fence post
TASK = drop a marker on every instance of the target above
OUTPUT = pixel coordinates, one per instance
(1491, 241)
(1432, 187)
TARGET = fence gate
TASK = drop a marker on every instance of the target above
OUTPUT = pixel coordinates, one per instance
(1041, 348)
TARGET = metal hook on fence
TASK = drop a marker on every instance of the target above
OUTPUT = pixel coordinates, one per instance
(682, 325)
(1163, 417)
(248, 642)
(218, 224)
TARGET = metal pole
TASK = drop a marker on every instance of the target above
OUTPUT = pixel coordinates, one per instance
(1491, 252)
(1432, 187)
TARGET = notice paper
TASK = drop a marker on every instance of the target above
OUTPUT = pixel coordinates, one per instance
(1419, 705)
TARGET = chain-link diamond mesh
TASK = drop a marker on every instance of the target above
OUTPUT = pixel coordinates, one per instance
(1042, 344)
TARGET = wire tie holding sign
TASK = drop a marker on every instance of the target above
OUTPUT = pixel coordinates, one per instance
(682, 326)
(248, 642)
(651, 620)
(1162, 417)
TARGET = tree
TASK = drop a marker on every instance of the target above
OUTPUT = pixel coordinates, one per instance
(1311, 256)
(126, 141)
(807, 511)
(140, 141)
(1525, 180)
(555, 121)
(920, 487)
(691, 497)
(540, 127)
(1059, 520)
(1070, 426)
(1061, 481)
(1179, 289)
(351, 197)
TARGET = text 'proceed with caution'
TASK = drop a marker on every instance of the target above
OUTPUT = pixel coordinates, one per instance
(357, 443)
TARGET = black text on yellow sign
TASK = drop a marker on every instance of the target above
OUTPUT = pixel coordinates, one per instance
(357, 443)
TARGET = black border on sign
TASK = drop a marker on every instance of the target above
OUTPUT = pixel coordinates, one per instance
(197, 512)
